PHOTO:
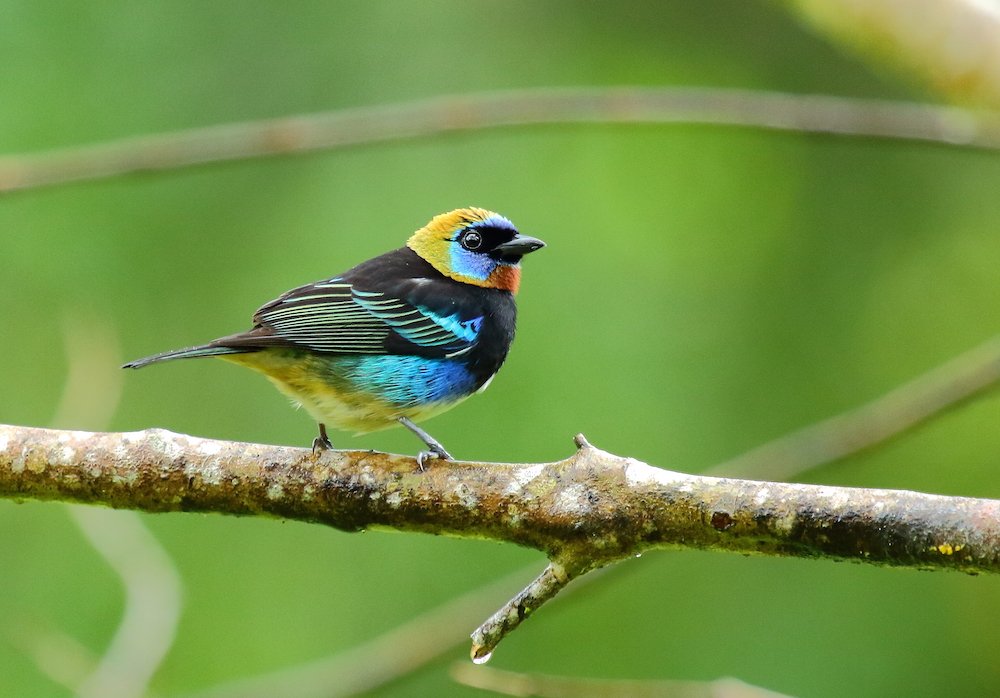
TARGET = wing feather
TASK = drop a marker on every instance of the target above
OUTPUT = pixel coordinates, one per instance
(335, 316)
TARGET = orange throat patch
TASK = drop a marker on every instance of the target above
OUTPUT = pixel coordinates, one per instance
(505, 278)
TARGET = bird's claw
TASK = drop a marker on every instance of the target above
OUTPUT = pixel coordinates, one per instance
(433, 452)
(321, 445)
(322, 442)
(434, 449)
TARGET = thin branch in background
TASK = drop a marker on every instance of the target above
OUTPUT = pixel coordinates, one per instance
(342, 128)
(149, 620)
(898, 411)
(151, 583)
(152, 602)
(93, 385)
(57, 655)
(510, 683)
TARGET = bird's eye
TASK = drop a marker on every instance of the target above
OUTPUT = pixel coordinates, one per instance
(472, 240)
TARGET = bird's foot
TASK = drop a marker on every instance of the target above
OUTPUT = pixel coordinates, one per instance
(435, 451)
(434, 447)
(322, 442)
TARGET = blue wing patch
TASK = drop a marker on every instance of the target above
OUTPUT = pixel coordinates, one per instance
(421, 325)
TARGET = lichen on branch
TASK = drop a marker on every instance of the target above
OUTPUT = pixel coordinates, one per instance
(586, 511)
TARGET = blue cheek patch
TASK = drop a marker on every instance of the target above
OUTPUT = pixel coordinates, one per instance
(407, 381)
(476, 266)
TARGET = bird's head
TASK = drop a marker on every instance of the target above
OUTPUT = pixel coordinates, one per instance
(474, 246)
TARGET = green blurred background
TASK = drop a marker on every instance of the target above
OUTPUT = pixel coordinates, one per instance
(705, 289)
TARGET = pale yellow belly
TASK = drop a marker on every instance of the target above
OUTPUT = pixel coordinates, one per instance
(329, 400)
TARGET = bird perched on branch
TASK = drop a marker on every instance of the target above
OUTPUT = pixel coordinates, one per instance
(395, 340)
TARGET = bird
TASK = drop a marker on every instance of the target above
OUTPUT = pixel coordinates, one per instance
(396, 339)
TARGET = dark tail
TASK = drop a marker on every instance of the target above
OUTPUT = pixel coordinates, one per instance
(189, 353)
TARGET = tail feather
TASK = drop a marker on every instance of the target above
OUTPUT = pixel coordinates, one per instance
(188, 353)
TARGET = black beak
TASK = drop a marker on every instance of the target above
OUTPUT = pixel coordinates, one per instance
(512, 250)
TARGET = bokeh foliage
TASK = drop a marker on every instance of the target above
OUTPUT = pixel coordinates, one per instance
(705, 289)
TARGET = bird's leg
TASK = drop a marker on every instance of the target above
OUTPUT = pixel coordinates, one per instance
(322, 442)
(435, 449)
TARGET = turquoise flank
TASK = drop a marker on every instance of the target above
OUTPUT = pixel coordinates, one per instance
(405, 381)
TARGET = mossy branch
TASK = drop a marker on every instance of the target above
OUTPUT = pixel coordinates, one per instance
(584, 512)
